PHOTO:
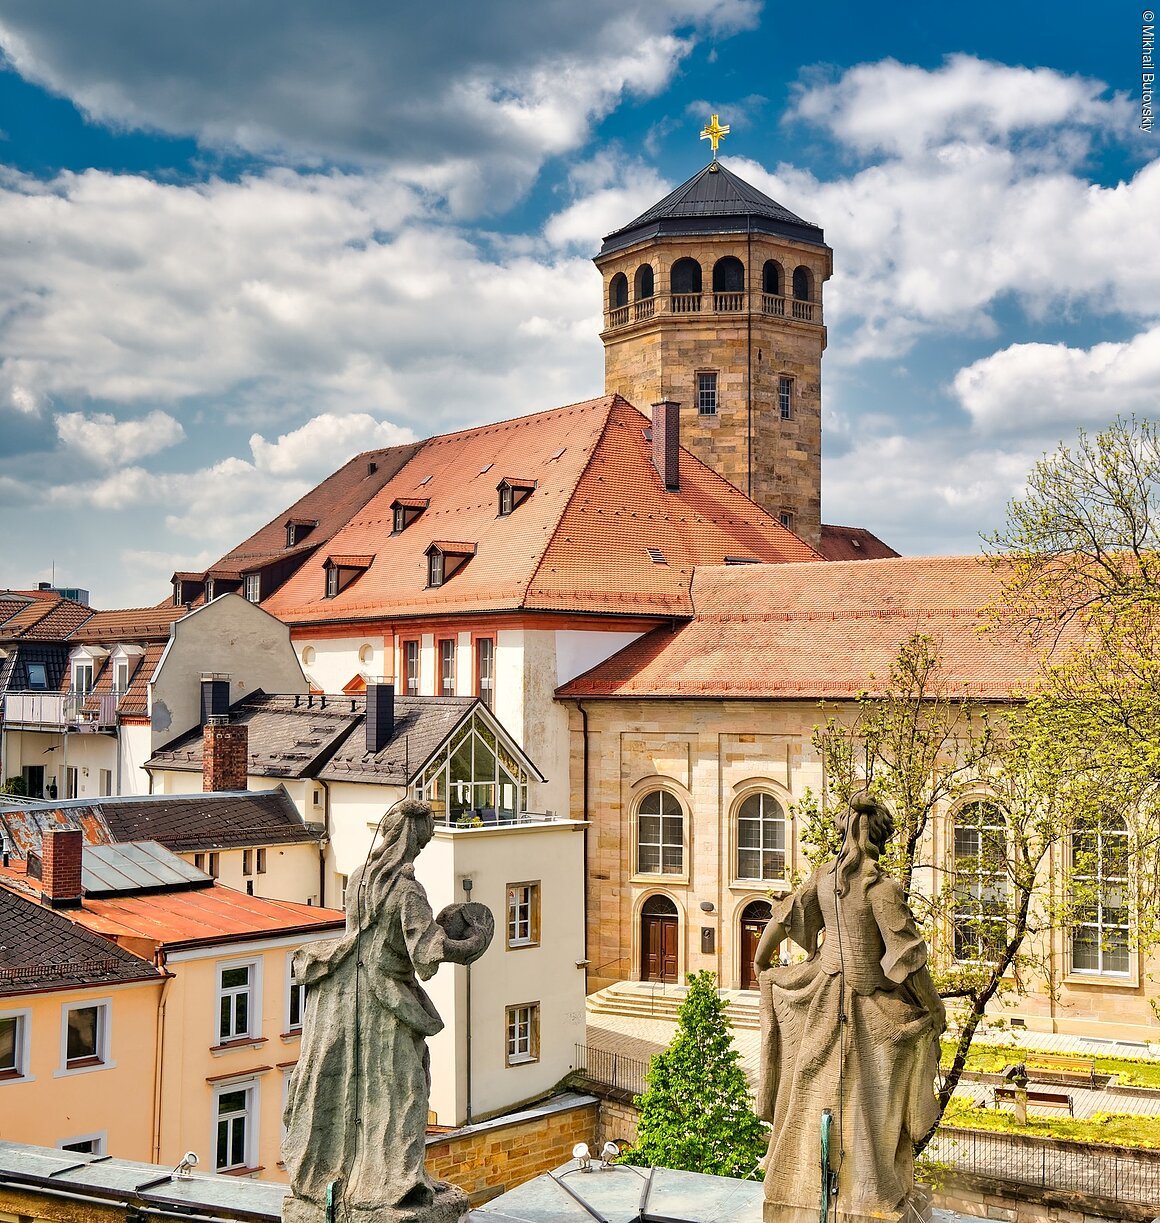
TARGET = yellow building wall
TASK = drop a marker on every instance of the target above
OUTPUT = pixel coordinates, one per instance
(52, 1105)
(710, 754)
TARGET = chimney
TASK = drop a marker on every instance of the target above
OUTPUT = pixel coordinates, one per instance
(225, 750)
(60, 867)
(215, 697)
(380, 715)
(666, 442)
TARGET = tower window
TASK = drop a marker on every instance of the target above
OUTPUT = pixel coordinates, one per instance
(644, 281)
(618, 291)
(771, 278)
(707, 394)
(786, 519)
(801, 283)
(686, 276)
(729, 275)
(785, 398)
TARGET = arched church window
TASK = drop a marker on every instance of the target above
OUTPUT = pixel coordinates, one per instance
(980, 903)
(660, 829)
(686, 276)
(729, 275)
(760, 838)
(644, 281)
(1100, 937)
(771, 278)
(802, 284)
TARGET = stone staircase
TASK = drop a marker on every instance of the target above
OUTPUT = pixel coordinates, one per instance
(657, 1000)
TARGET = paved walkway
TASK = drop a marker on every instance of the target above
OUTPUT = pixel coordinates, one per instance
(638, 1039)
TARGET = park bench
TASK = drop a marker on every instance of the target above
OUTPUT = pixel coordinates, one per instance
(1044, 1099)
(1084, 1067)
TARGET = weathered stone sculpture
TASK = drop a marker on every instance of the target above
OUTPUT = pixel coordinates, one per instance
(853, 1030)
(356, 1115)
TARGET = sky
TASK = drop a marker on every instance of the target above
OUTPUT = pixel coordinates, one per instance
(240, 243)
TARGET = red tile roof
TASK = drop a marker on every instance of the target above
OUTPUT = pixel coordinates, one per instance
(351, 562)
(49, 617)
(579, 543)
(185, 918)
(130, 624)
(853, 544)
(791, 631)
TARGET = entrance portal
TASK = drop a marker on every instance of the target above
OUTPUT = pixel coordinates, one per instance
(753, 920)
(658, 940)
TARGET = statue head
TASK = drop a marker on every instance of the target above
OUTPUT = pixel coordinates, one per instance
(865, 826)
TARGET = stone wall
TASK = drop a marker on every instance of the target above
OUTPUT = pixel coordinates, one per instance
(490, 1158)
(984, 1199)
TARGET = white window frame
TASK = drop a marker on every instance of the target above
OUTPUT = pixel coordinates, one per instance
(785, 397)
(409, 688)
(661, 844)
(331, 582)
(104, 1037)
(448, 664)
(248, 1114)
(762, 819)
(980, 887)
(485, 683)
(72, 782)
(105, 787)
(294, 987)
(435, 568)
(84, 673)
(523, 914)
(120, 676)
(1103, 922)
(18, 1072)
(253, 990)
(99, 1140)
(521, 1034)
(252, 587)
(707, 400)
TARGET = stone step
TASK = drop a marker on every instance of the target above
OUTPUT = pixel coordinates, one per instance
(643, 1001)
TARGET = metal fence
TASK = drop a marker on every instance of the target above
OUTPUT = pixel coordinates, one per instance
(611, 1069)
(1099, 1172)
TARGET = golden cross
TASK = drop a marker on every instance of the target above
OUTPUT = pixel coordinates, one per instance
(713, 133)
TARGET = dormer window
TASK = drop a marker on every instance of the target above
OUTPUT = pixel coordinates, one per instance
(445, 558)
(405, 510)
(343, 570)
(187, 587)
(252, 587)
(297, 529)
(513, 492)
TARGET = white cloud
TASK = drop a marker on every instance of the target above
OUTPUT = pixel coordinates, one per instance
(606, 207)
(354, 83)
(1047, 388)
(315, 446)
(901, 110)
(109, 442)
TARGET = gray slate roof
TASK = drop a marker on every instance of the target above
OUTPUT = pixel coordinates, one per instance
(714, 201)
(183, 823)
(40, 949)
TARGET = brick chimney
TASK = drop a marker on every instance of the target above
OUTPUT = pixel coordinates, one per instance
(666, 442)
(225, 751)
(380, 716)
(60, 867)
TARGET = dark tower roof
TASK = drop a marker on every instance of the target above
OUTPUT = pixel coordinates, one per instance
(714, 201)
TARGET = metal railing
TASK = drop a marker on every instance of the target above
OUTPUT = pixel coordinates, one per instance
(487, 817)
(611, 1069)
(61, 709)
(1072, 1167)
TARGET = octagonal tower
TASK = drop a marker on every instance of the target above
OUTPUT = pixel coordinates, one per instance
(713, 298)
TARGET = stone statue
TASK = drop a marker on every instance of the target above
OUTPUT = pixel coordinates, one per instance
(853, 1030)
(356, 1113)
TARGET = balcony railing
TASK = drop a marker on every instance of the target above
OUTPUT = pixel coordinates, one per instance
(771, 304)
(486, 817)
(56, 710)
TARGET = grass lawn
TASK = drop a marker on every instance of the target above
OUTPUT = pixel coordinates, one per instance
(1115, 1129)
(992, 1059)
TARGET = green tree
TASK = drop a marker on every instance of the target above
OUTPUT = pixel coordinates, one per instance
(924, 747)
(696, 1114)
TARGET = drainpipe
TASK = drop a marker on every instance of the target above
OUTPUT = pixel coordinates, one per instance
(325, 840)
(749, 356)
(584, 812)
(467, 886)
(159, 1056)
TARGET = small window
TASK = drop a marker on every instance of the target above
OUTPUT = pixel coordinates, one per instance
(86, 1036)
(199, 861)
(82, 678)
(485, 670)
(331, 581)
(235, 1125)
(786, 519)
(505, 498)
(121, 676)
(411, 667)
(660, 835)
(707, 394)
(37, 675)
(247, 861)
(260, 854)
(212, 864)
(210, 590)
(106, 784)
(785, 398)
(343, 880)
(523, 1033)
(447, 667)
(656, 556)
(435, 568)
(404, 512)
(237, 1001)
(523, 915)
(252, 583)
(801, 283)
(13, 1046)
(89, 1144)
(71, 782)
(295, 998)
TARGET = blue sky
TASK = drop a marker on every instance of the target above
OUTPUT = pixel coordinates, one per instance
(239, 243)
